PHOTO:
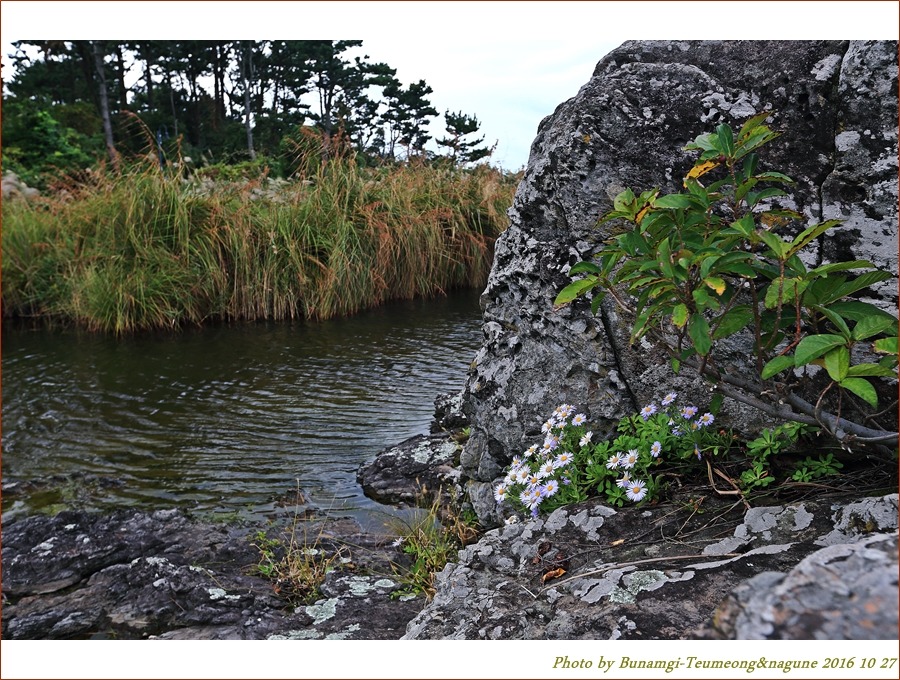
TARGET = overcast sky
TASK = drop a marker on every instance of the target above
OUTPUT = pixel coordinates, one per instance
(508, 63)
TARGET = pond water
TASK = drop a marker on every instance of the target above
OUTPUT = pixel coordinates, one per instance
(226, 420)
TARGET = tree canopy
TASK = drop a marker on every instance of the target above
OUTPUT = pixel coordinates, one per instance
(219, 101)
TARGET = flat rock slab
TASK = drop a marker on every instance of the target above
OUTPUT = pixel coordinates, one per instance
(590, 572)
(135, 575)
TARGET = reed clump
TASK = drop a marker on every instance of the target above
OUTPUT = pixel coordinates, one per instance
(141, 250)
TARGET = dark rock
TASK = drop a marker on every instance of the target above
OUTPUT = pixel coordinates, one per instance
(663, 572)
(836, 104)
(448, 414)
(412, 471)
(135, 575)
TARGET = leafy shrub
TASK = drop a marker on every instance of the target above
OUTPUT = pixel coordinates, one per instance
(708, 263)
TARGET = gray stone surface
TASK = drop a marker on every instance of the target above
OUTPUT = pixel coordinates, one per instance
(836, 103)
(664, 573)
(847, 591)
(131, 575)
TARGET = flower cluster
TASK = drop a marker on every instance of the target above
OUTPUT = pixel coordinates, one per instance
(570, 466)
(537, 474)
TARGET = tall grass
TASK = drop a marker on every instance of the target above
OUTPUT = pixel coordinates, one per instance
(142, 250)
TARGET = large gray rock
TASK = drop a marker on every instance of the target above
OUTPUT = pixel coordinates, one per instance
(132, 575)
(819, 568)
(836, 103)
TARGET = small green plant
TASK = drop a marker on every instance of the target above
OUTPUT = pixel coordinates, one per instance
(431, 539)
(770, 442)
(297, 567)
(708, 263)
(822, 466)
(570, 467)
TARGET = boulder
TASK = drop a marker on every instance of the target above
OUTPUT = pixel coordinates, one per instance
(836, 103)
(813, 569)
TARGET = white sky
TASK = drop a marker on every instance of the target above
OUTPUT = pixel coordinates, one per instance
(508, 63)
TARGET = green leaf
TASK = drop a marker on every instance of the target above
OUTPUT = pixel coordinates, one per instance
(886, 345)
(777, 365)
(676, 365)
(861, 388)
(857, 311)
(774, 177)
(810, 234)
(675, 201)
(584, 267)
(873, 325)
(702, 142)
(864, 281)
(575, 289)
(726, 139)
(871, 370)
(752, 124)
(732, 321)
(836, 319)
(755, 197)
(826, 269)
(813, 346)
(744, 226)
(680, 315)
(698, 329)
(784, 290)
(703, 299)
(778, 246)
(716, 284)
(837, 363)
(664, 257)
(624, 202)
(744, 187)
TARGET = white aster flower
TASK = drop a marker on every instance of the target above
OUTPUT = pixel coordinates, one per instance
(563, 459)
(614, 461)
(551, 487)
(636, 490)
(630, 459)
(648, 411)
(579, 419)
(624, 481)
(706, 419)
(656, 449)
(500, 493)
(547, 468)
(669, 398)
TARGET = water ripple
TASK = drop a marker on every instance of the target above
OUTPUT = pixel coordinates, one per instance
(231, 416)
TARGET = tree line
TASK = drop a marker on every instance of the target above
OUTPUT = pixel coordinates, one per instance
(221, 101)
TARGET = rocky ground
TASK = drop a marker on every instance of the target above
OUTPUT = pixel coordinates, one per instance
(698, 567)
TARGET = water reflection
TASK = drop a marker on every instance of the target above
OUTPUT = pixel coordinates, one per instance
(228, 418)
